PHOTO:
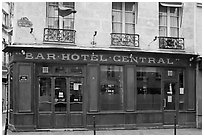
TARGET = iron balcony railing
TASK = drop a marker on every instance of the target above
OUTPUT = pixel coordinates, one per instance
(171, 43)
(59, 35)
(123, 39)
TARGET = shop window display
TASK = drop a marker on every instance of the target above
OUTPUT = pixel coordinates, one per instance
(148, 89)
(111, 92)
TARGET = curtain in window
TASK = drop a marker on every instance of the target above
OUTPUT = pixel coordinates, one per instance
(123, 17)
(130, 17)
(168, 21)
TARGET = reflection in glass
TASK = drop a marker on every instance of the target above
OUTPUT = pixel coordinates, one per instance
(60, 94)
(111, 94)
(45, 94)
(148, 89)
(76, 97)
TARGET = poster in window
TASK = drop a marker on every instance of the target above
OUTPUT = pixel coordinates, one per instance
(76, 86)
(181, 91)
(169, 98)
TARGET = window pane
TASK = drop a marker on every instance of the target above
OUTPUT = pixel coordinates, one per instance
(163, 10)
(162, 31)
(68, 4)
(45, 94)
(117, 5)
(129, 6)
(174, 11)
(60, 94)
(68, 23)
(117, 27)
(111, 94)
(76, 95)
(163, 20)
(116, 16)
(129, 17)
(130, 28)
(174, 32)
(174, 21)
(148, 89)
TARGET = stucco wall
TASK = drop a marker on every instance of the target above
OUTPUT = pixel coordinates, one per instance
(187, 27)
(198, 30)
(96, 16)
(36, 13)
(90, 17)
(148, 24)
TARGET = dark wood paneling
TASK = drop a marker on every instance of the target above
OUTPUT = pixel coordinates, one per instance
(45, 121)
(23, 119)
(169, 117)
(191, 88)
(148, 118)
(24, 79)
(106, 119)
(60, 120)
(130, 118)
(130, 77)
(76, 120)
(93, 87)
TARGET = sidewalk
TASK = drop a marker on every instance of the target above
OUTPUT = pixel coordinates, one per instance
(186, 131)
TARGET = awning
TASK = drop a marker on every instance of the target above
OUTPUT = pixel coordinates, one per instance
(172, 4)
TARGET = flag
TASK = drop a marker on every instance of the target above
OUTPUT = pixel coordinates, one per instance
(63, 11)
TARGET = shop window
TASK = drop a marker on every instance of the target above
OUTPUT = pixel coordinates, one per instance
(76, 94)
(181, 91)
(60, 94)
(45, 94)
(111, 88)
(148, 89)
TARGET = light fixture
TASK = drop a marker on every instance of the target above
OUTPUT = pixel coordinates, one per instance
(23, 52)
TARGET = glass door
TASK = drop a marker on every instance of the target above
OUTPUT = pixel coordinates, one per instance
(76, 101)
(169, 101)
(60, 102)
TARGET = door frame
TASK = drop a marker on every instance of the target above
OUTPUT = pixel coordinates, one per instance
(174, 112)
(52, 113)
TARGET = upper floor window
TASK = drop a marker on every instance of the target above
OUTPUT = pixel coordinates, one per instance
(169, 18)
(123, 17)
(4, 18)
(59, 15)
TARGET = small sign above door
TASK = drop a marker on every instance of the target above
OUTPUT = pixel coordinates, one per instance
(23, 77)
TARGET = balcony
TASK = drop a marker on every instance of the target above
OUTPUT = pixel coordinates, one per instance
(171, 43)
(59, 35)
(124, 40)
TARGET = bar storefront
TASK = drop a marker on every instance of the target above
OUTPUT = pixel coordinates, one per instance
(65, 88)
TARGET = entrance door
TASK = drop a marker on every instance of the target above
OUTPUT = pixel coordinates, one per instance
(60, 102)
(76, 102)
(169, 101)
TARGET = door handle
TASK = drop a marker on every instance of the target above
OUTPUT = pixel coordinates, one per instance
(164, 103)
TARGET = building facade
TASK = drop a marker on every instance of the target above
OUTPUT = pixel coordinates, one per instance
(124, 64)
(7, 12)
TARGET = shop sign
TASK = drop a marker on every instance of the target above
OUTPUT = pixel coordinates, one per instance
(24, 22)
(100, 58)
(23, 77)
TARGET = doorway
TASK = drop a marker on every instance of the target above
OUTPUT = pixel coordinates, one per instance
(169, 101)
(60, 102)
